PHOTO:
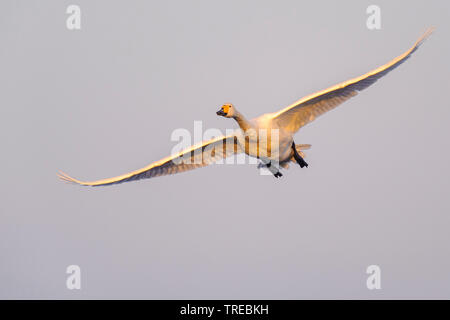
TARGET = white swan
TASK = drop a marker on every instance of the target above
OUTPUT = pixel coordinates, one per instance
(248, 138)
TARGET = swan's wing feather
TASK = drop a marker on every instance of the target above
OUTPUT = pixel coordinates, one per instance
(310, 107)
(195, 157)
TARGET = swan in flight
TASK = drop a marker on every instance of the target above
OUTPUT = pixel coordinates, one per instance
(248, 138)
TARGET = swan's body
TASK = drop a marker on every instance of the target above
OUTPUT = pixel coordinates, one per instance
(270, 137)
(267, 140)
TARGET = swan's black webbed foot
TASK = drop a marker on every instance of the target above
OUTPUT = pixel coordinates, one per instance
(277, 174)
(298, 158)
(271, 168)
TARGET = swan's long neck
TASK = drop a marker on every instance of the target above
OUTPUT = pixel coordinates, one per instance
(240, 119)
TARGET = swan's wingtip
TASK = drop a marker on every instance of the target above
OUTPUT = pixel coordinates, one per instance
(66, 178)
(427, 33)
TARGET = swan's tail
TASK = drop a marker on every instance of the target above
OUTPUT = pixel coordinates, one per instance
(300, 148)
(285, 164)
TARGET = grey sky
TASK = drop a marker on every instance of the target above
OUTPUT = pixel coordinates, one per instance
(104, 100)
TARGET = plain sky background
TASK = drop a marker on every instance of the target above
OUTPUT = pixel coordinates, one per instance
(104, 100)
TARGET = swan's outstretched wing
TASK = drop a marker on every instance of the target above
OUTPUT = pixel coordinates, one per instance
(310, 107)
(195, 157)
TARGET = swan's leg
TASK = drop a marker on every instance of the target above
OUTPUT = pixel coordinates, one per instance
(275, 171)
(271, 167)
(261, 165)
(298, 158)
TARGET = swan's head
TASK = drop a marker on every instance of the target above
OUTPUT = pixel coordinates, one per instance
(227, 110)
